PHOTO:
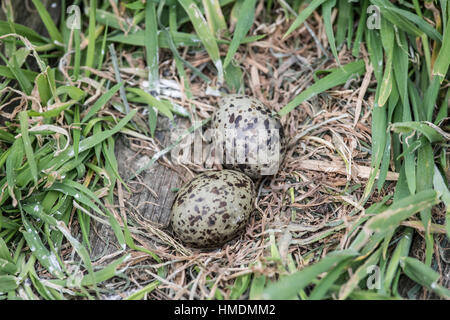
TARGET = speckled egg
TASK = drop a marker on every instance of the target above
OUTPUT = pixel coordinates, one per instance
(247, 137)
(212, 208)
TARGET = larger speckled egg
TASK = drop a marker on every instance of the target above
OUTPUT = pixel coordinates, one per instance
(247, 137)
(212, 208)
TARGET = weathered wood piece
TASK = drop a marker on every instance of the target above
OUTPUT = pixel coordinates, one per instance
(159, 178)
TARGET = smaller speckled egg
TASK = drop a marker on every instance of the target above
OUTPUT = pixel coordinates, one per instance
(247, 137)
(212, 208)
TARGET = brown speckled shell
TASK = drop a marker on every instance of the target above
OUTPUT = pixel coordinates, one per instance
(212, 208)
(247, 115)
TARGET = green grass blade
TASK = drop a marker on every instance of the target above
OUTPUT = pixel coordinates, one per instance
(151, 45)
(424, 174)
(76, 132)
(335, 78)
(324, 285)
(8, 283)
(358, 275)
(140, 294)
(383, 223)
(387, 39)
(424, 275)
(422, 127)
(396, 19)
(7, 73)
(23, 117)
(13, 163)
(45, 257)
(401, 251)
(402, 210)
(344, 12)
(152, 102)
(245, 21)
(91, 36)
(442, 189)
(101, 102)
(362, 24)
(30, 34)
(52, 29)
(326, 13)
(289, 286)
(104, 274)
(442, 62)
(240, 286)
(204, 33)
(257, 286)
(215, 18)
(304, 15)
(43, 87)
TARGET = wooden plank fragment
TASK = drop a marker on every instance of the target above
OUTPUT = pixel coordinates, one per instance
(151, 195)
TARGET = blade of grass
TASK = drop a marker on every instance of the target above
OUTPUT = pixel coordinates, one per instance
(290, 285)
(336, 77)
(442, 62)
(244, 23)
(396, 19)
(91, 36)
(344, 13)
(215, 18)
(303, 16)
(424, 174)
(23, 117)
(172, 47)
(52, 29)
(101, 102)
(30, 34)
(151, 45)
(383, 223)
(441, 187)
(401, 251)
(202, 30)
(240, 286)
(13, 162)
(358, 275)
(45, 257)
(362, 24)
(324, 285)
(140, 294)
(387, 39)
(422, 127)
(115, 62)
(326, 13)
(424, 275)
(76, 130)
(8, 283)
(257, 286)
(152, 101)
(402, 210)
